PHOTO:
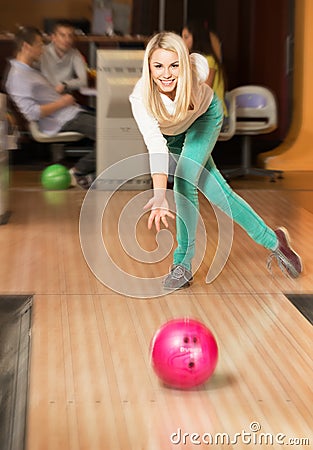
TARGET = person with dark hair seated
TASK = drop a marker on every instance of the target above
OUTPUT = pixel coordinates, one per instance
(38, 101)
(61, 63)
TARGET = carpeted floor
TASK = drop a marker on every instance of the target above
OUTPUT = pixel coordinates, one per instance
(15, 324)
(304, 303)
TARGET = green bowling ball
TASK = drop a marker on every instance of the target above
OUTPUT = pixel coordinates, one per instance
(56, 177)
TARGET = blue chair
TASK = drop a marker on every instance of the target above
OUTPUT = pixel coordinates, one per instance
(256, 113)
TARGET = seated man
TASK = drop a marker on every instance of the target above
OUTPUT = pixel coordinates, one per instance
(61, 63)
(38, 101)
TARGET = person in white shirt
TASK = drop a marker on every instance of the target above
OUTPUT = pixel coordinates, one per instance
(61, 63)
(177, 112)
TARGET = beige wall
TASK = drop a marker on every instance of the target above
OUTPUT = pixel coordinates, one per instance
(32, 12)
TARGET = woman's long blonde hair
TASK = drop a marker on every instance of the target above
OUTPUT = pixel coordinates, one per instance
(172, 42)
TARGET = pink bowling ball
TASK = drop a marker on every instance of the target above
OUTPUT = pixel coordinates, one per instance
(184, 353)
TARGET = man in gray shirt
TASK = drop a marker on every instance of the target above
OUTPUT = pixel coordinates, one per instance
(38, 100)
(61, 63)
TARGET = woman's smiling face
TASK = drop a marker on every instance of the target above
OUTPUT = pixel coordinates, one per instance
(164, 68)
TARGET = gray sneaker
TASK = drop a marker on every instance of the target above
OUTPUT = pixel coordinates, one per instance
(288, 260)
(178, 278)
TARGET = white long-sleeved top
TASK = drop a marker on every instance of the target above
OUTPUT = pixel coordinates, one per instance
(70, 69)
(153, 131)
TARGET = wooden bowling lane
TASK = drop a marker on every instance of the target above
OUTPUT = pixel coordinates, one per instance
(92, 385)
(91, 382)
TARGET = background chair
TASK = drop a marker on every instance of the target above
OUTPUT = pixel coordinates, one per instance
(57, 141)
(256, 113)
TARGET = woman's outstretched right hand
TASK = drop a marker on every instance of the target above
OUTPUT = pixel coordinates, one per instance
(159, 212)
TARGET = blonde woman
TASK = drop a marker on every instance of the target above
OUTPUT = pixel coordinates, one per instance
(177, 112)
